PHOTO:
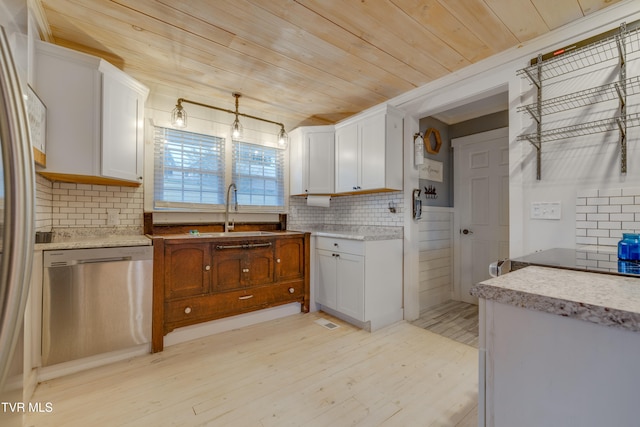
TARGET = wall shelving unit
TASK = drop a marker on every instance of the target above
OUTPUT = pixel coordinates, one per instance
(609, 46)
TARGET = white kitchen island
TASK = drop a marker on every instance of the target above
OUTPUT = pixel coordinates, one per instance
(559, 348)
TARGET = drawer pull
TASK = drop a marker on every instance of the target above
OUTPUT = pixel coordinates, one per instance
(291, 290)
(245, 246)
(246, 297)
(187, 310)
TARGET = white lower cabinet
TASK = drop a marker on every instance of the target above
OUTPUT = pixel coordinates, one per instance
(360, 281)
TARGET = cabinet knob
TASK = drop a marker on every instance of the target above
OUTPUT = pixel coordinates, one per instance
(245, 270)
(207, 267)
(291, 290)
(187, 310)
(278, 260)
(335, 244)
(355, 188)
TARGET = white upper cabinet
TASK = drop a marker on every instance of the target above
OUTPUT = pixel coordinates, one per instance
(369, 152)
(94, 118)
(312, 160)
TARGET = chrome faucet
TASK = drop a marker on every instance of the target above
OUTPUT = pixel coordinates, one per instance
(227, 226)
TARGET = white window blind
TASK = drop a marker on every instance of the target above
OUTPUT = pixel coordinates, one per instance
(258, 172)
(188, 169)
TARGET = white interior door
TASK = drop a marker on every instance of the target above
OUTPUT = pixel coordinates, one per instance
(482, 207)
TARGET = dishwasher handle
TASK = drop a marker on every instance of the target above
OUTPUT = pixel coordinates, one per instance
(97, 260)
(68, 263)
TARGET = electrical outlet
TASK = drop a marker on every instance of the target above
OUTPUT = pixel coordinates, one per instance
(113, 217)
(546, 210)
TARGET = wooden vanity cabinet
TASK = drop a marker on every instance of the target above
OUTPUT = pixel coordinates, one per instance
(201, 279)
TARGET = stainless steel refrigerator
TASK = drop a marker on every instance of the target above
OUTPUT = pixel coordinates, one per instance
(16, 235)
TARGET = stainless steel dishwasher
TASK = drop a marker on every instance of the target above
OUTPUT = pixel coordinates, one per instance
(95, 301)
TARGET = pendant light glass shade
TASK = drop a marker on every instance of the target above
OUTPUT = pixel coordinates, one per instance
(236, 129)
(283, 139)
(179, 117)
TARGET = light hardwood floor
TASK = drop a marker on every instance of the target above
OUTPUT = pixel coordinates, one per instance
(453, 319)
(286, 372)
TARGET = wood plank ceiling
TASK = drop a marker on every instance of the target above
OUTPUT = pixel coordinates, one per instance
(300, 62)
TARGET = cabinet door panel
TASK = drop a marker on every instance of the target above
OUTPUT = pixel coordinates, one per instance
(121, 143)
(350, 285)
(228, 270)
(297, 164)
(259, 268)
(290, 259)
(186, 272)
(372, 158)
(347, 158)
(326, 283)
(320, 146)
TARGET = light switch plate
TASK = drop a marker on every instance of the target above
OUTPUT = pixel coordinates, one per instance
(546, 210)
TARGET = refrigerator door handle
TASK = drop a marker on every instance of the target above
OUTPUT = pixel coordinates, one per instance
(19, 202)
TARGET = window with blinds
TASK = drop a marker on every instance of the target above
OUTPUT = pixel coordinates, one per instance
(258, 173)
(188, 169)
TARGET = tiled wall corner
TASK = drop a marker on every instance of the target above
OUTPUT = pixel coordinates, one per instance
(602, 215)
(365, 209)
(44, 203)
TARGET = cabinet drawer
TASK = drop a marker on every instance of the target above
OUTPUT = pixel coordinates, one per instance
(355, 247)
(214, 306)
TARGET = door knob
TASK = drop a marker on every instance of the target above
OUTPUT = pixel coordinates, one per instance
(466, 231)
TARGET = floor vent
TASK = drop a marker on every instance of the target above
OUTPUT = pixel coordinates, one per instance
(327, 324)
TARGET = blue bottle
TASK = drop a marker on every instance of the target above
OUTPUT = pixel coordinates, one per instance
(629, 247)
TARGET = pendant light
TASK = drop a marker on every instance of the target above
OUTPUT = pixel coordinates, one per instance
(179, 120)
(236, 126)
(283, 139)
(179, 116)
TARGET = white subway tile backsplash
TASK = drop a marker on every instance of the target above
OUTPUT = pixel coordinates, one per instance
(623, 200)
(365, 209)
(597, 233)
(597, 201)
(609, 213)
(610, 192)
(588, 193)
(622, 217)
(68, 205)
(609, 208)
(598, 217)
(610, 225)
(587, 240)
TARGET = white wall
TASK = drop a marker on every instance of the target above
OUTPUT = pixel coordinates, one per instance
(436, 256)
(584, 163)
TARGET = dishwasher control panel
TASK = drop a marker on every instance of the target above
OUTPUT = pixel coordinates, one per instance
(63, 257)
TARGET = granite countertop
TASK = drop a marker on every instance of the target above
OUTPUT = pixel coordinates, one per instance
(81, 242)
(353, 232)
(603, 299)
